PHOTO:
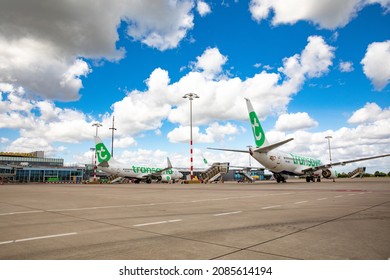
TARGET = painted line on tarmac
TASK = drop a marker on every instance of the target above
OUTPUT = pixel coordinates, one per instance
(273, 206)
(227, 213)
(223, 198)
(38, 237)
(100, 207)
(300, 202)
(157, 223)
(323, 198)
(21, 212)
(140, 205)
(338, 196)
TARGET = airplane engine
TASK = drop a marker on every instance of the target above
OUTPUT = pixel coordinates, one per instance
(165, 178)
(329, 174)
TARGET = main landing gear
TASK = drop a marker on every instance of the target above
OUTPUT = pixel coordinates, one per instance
(312, 179)
(279, 178)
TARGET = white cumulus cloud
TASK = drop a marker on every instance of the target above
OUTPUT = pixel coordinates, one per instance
(376, 64)
(159, 24)
(370, 113)
(329, 14)
(203, 8)
(211, 62)
(214, 133)
(44, 44)
(221, 96)
(295, 121)
(346, 66)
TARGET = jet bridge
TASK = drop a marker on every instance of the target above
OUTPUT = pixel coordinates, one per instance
(215, 172)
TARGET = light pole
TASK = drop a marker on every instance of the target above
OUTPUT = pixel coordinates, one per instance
(250, 163)
(191, 97)
(93, 156)
(95, 167)
(112, 137)
(330, 154)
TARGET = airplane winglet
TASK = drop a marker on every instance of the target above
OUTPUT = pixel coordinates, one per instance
(169, 163)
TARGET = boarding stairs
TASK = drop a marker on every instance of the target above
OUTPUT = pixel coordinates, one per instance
(246, 175)
(357, 172)
(215, 172)
(114, 179)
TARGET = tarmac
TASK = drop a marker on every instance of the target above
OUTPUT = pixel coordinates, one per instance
(344, 220)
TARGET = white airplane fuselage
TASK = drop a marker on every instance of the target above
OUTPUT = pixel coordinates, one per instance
(139, 172)
(286, 163)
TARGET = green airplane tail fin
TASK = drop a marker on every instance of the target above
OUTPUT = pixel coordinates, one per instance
(257, 129)
(102, 153)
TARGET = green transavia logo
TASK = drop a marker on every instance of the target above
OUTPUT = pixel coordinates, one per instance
(258, 131)
(102, 152)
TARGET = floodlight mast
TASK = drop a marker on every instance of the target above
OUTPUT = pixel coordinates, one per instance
(191, 97)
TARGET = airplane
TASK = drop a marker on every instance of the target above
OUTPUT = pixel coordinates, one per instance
(282, 163)
(138, 173)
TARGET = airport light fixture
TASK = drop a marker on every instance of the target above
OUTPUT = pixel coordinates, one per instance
(330, 154)
(191, 97)
(97, 127)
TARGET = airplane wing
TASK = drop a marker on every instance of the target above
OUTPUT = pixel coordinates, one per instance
(230, 150)
(325, 166)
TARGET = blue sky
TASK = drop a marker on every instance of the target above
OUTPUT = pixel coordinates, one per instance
(311, 70)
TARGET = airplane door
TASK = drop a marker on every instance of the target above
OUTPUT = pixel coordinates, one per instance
(278, 160)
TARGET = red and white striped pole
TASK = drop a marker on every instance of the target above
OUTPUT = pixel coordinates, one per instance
(191, 96)
(191, 160)
(95, 167)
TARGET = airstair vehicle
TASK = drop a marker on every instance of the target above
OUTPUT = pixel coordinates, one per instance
(215, 172)
(246, 175)
(357, 172)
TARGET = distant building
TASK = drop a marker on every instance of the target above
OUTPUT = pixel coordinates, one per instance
(29, 159)
(34, 167)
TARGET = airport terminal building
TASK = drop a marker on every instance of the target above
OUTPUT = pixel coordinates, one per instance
(35, 167)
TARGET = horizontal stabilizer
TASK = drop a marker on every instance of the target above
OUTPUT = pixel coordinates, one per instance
(266, 149)
(230, 150)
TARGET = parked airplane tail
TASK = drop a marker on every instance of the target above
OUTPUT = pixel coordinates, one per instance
(102, 153)
(262, 144)
(257, 129)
